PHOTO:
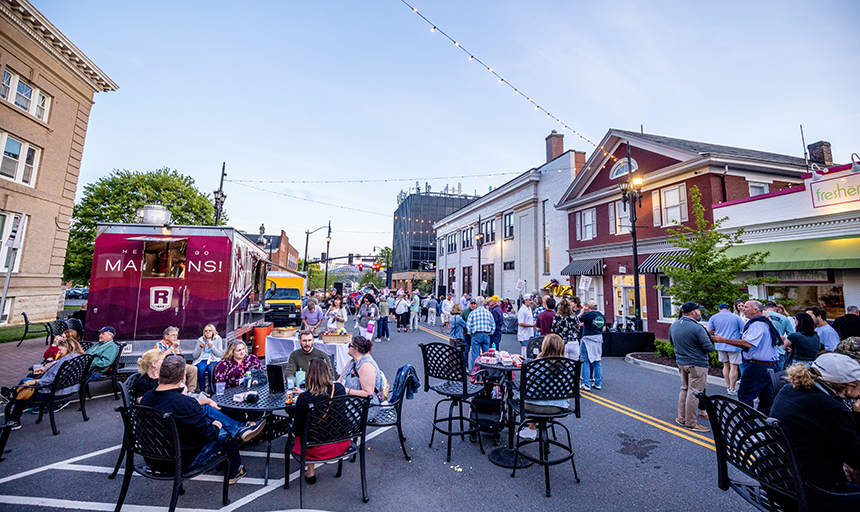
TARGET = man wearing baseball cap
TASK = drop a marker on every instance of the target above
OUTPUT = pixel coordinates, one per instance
(105, 351)
(692, 346)
(498, 318)
(821, 428)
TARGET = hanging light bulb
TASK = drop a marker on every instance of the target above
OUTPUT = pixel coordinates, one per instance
(433, 29)
(470, 58)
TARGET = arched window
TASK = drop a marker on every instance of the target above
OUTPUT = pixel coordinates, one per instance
(620, 168)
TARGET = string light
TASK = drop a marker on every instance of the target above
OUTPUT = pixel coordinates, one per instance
(312, 200)
(502, 80)
(379, 180)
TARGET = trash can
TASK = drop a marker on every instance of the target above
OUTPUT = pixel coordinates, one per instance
(261, 330)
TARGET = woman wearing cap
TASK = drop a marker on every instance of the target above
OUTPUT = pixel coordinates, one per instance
(821, 427)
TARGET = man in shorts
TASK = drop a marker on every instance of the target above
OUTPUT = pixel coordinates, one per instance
(447, 304)
(728, 325)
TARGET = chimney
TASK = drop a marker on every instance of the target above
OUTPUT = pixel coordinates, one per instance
(820, 153)
(554, 145)
(578, 164)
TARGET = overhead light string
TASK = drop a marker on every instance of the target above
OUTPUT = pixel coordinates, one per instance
(472, 57)
(313, 200)
(378, 180)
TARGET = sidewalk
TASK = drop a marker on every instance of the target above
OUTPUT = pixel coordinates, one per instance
(14, 361)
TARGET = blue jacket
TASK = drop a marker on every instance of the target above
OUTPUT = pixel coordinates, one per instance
(458, 327)
(499, 318)
(406, 381)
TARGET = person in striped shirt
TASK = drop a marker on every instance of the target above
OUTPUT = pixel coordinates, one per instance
(480, 325)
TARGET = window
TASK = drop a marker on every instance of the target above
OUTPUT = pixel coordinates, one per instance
(546, 265)
(468, 237)
(6, 308)
(27, 97)
(508, 265)
(164, 259)
(674, 202)
(19, 159)
(488, 229)
(488, 275)
(452, 279)
(441, 243)
(668, 311)
(620, 168)
(467, 279)
(619, 218)
(757, 189)
(586, 224)
(452, 242)
(8, 221)
(509, 225)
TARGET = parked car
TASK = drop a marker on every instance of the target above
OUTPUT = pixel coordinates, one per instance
(77, 294)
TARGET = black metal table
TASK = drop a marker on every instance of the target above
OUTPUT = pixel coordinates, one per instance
(267, 401)
(504, 456)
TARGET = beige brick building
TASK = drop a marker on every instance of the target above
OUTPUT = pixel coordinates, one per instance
(46, 92)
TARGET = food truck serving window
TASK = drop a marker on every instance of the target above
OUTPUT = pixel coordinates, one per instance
(164, 258)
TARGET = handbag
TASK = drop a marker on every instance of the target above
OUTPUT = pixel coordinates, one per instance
(370, 325)
(23, 392)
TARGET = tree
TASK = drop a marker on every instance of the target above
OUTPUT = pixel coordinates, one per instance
(384, 257)
(316, 275)
(116, 198)
(369, 277)
(708, 275)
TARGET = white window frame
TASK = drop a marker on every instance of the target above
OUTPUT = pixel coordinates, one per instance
(546, 243)
(683, 214)
(5, 231)
(452, 242)
(586, 226)
(468, 237)
(22, 160)
(764, 186)
(488, 229)
(620, 168)
(508, 221)
(617, 212)
(441, 243)
(36, 95)
(661, 294)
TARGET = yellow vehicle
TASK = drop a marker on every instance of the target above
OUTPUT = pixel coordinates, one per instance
(284, 292)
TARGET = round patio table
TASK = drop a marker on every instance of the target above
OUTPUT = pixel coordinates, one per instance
(266, 400)
(504, 456)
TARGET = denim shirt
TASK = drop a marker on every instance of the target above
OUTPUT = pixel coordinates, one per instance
(458, 327)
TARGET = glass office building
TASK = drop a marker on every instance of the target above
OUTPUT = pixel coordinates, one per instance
(414, 244)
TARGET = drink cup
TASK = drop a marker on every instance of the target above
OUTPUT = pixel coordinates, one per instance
(291, 383)
(219, 388)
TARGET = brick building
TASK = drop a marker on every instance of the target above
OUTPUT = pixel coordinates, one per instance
(281, 251)
(46, 95)
(599, 228)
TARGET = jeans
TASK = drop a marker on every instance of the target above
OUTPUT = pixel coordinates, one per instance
(382, 328)
(228, 424)
(202, 366)
(480, 343)
(693, 380)
(755, 382)
(780, 365)
(496, 340)
(591, 372)
(226, 442)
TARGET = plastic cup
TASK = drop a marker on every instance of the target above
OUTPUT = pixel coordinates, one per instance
(219, 388)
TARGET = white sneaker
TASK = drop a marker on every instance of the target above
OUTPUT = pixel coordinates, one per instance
(731, 392)
(585, 386)
(528, 433)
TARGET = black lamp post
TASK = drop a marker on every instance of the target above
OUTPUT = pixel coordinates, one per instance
(327, 257)
(479, 241)
(307, 238)
(219, 195)
(631, 193)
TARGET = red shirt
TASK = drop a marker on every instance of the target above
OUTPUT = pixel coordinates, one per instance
(544, 321)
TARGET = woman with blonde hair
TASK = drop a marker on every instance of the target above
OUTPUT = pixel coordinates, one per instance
(821, 427)
(69, 334)
(148, 366)
(207, 353)
(552, 346)
(235, 363)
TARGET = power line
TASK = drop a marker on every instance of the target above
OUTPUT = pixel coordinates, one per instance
(379, 180)
(434, 28)
(314, 201)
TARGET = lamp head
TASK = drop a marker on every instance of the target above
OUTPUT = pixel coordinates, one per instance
(637, 184)
(855, 164)
(328, 239)
(625, 187)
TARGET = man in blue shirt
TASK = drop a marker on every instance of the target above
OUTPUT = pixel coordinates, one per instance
(480, 326)
(828, 335)
(760, 339)
(499, 318)
(728, 325)
(783, 326)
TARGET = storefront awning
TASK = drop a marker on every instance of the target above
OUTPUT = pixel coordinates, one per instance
(658, 260)
(820, 253)
(584, 268)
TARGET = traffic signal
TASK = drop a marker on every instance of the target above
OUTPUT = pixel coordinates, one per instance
(350, 258)
(361, 267)
(376, 267)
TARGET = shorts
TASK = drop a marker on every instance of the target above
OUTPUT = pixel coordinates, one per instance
(731, 357)
(446, 317)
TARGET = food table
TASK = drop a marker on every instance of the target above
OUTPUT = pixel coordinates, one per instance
(504, 456)
(267, 402)
(280, 349)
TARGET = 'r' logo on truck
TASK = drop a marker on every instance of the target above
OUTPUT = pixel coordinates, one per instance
(160, 297)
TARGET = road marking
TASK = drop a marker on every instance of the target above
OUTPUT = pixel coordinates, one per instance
(200, 478)
(57, 464)
(434, 333)
(89, 505)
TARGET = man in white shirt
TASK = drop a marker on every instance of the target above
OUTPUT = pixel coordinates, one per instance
(829, 336)
(447, 304)
(526, 321)
(464, 301)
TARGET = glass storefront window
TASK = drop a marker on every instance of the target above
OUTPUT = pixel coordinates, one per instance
(797, 297)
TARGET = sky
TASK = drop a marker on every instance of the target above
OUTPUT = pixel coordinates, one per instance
(357, 90)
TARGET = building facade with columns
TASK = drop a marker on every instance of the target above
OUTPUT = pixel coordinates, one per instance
(46, 95)
(523, 237)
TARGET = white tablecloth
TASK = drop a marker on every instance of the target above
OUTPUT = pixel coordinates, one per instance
(281, 348)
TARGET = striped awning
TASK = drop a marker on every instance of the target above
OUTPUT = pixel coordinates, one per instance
(584, 268)
(658, 260)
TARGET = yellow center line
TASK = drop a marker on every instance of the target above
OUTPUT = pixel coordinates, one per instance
(681, 432)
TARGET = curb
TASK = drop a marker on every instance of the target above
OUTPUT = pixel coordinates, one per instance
(715, 381)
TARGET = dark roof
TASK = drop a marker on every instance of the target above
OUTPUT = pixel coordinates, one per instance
(275, 240)
(705, 148)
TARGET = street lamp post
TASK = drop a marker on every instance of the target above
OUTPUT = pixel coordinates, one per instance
(327, 257)
(307, 237)
(479, 241)
(219, 195)
(631, 193)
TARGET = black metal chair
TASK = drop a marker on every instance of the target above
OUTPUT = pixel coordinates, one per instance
(390, 414)
(761, 449)
(41, 328)
(57, 327)
(152, 434)
(5, 430)
(111, 374)
(276, 426)
(76, 325)
(343, 418)
(128, 401)
(550, 378)
(72, 373)
(533, 348)
(444, 362)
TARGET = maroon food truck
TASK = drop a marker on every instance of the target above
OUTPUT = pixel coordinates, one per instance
(148, 277)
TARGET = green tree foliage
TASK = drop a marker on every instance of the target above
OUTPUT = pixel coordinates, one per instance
(116, 197)
(316, 275)
(375, 278)
(709, 276)
(384, 257)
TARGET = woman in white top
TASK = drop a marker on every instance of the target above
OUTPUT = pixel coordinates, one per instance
(336, 314)
(208, 351)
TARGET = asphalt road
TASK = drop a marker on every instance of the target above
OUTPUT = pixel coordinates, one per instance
(629, 455)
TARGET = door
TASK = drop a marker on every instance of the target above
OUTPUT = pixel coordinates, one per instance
(163, 292)
(625, 300)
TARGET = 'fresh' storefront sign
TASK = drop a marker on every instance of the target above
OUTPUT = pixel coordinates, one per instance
(833, 191)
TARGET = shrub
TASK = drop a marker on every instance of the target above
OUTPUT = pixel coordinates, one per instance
(664, 348)
(714, 360)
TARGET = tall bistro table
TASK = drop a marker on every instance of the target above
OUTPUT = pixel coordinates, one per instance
(504, 456)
